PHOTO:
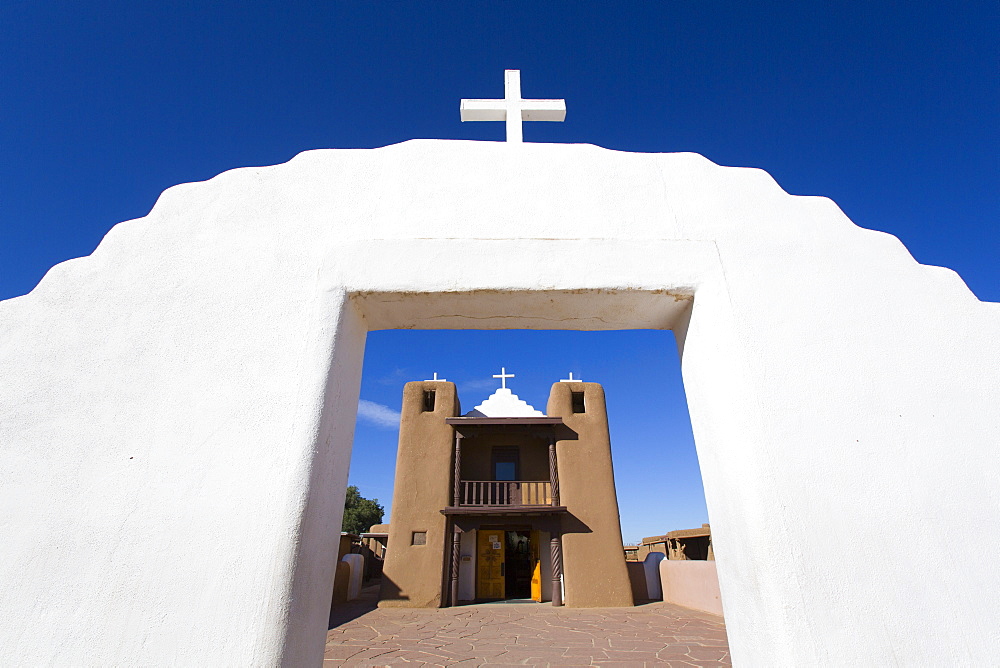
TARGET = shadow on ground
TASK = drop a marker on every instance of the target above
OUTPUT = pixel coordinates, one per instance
(341, 613)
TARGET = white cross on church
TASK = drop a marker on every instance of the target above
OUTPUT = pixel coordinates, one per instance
(503, 376)
(512, 108)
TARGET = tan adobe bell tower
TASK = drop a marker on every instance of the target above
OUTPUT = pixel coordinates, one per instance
(588, 487)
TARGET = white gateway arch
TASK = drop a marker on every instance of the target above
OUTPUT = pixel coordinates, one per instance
(176, 410)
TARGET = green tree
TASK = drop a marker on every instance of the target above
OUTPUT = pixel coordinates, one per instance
(360, 513)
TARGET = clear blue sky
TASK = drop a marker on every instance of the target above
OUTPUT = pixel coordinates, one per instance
(890, 109)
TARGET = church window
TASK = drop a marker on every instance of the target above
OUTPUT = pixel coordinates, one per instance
(505, 463)
(428, 401)
(578, 406)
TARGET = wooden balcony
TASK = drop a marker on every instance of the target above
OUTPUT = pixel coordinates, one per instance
(507, 497)
(493, 493)
(503, 497)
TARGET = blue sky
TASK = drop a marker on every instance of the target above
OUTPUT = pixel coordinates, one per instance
(888, 108)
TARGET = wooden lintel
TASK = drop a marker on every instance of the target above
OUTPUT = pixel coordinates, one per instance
(504, 510)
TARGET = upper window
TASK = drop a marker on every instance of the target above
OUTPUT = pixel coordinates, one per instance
(578, 405)
(505, 471)
(505, 463)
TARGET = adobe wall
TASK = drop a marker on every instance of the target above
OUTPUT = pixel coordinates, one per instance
(177, 408)
(693, 584)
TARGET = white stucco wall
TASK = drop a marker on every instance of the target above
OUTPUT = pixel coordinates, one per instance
(177, 409)
(651, 569)
(467, 569)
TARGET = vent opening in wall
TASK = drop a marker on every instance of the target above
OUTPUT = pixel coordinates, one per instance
(419, 538)
(578, 406)
(428, 401)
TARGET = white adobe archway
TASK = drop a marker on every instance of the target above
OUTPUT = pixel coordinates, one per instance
(178, 407)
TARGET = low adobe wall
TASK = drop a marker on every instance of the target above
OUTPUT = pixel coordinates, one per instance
(637, 580)
(693, 584)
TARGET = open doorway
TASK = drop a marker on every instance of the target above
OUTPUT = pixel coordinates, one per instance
(656, 471)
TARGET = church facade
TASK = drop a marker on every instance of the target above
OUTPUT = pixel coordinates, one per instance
(504, 502)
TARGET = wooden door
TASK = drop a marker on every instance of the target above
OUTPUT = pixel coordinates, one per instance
(490, 582)
(536, 567)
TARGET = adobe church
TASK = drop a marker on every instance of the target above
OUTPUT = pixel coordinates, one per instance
(177, 409)
(504, 502)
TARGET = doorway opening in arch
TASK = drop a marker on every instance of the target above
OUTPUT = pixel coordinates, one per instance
(501, 556)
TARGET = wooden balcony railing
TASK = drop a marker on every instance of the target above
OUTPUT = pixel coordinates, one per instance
(506, 493)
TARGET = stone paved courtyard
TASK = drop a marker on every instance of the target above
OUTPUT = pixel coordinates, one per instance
(654, 634)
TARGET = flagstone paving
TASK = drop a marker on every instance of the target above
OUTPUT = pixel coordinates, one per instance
(654, 634)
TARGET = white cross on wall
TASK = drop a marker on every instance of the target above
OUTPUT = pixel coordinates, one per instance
(436, 378)
(512, 108)
(503, 376)
(571, 379)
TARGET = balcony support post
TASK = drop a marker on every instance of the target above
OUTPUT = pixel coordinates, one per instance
(456, 546)
(458, 469)
(553, 472)
(555, 545)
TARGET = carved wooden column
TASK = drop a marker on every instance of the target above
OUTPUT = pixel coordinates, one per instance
(556, 547)
(456, 549)
(553, 472)
(458, 470)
